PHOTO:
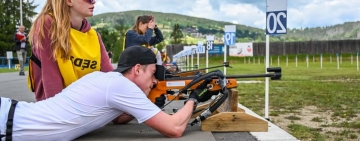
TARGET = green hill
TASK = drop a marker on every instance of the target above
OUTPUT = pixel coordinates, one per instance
(196, 28)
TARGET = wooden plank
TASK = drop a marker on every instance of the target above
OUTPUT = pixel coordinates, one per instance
(234, 121)
(203, 107)
(240, 110)
(231, 103)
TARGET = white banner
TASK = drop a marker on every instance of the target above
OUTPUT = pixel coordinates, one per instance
(190, 49)
(200, 47)
(241, 49)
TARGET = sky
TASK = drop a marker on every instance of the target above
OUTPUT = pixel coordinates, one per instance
(300, 13)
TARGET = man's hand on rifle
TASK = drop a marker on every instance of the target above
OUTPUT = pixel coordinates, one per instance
(160, 101)
(200, 94)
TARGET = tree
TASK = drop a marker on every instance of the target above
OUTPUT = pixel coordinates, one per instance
(161, 45)
(108, 37)
(176, 35)
(113, 39)
(10, 21)
(121, 29)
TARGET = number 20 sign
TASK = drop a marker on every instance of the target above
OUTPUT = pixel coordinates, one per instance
(276, 16)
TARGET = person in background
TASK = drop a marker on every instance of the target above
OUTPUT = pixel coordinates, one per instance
(21, 47)
(157, 54)
(110, 54)
(165, 57)
(142, 33)
(65, 47)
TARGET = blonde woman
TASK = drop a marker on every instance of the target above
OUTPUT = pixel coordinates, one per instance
(65, 47)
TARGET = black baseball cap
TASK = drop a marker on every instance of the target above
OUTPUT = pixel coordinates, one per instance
(138, 55)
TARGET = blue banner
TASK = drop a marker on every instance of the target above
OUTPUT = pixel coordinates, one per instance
(217, 49)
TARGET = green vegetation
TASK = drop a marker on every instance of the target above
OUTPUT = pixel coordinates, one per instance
(333, 92)
(304, 132)
(10, 21)
(188, 24)
(4, 70)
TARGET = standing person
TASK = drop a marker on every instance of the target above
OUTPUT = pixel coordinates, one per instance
(110, 54)
(93, 100)
(165, 58)
(157, 54)
(142, 31)
(21, 47)
(65, 47)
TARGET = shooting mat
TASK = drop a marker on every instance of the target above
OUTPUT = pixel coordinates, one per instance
(136, 132)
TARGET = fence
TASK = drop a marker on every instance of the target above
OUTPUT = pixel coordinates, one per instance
(287, 48)
(4, 62)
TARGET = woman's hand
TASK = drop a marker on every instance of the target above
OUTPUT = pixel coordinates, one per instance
(151, 24)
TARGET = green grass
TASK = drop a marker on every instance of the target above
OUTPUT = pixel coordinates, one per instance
(4, 70)
(317, 119)
(328, 88)
(304, 132)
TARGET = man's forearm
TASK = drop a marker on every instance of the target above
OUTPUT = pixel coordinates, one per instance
(174, 125)
(184, 114)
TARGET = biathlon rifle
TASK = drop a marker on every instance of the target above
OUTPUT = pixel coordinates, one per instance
(195, 71)
(178, 88)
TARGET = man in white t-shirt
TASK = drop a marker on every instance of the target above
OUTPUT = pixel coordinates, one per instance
(93, 101)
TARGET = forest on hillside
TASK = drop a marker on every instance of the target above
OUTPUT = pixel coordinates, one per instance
(192, 25)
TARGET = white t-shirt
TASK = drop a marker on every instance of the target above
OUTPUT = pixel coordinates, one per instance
(85, 105)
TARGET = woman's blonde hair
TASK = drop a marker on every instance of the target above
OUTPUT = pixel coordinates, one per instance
(143, 19)
(59, 31)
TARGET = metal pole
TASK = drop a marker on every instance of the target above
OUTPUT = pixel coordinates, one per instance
(225, 53)
(321, 60)
(207, 59)
(9, 63)
(192, 58)
(267, 54)
(198, 57)
(357, 61)
(21, 19)
(337, 61)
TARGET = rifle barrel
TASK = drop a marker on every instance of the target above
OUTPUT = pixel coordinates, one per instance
(273, 75)
(198, 69)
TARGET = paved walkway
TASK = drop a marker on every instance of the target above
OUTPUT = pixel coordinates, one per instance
(14, 86)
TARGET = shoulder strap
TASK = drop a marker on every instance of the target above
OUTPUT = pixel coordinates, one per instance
(31, 82)
(124, 42)
(9, 123)
(35, 59)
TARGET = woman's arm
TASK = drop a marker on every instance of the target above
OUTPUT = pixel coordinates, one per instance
(158, 37)
(51, 79)
(105, 65)
(138, 39)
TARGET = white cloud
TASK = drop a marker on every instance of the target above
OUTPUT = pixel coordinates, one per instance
(304, 13)
(203, 9)
(245, 14)
(324, 13)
